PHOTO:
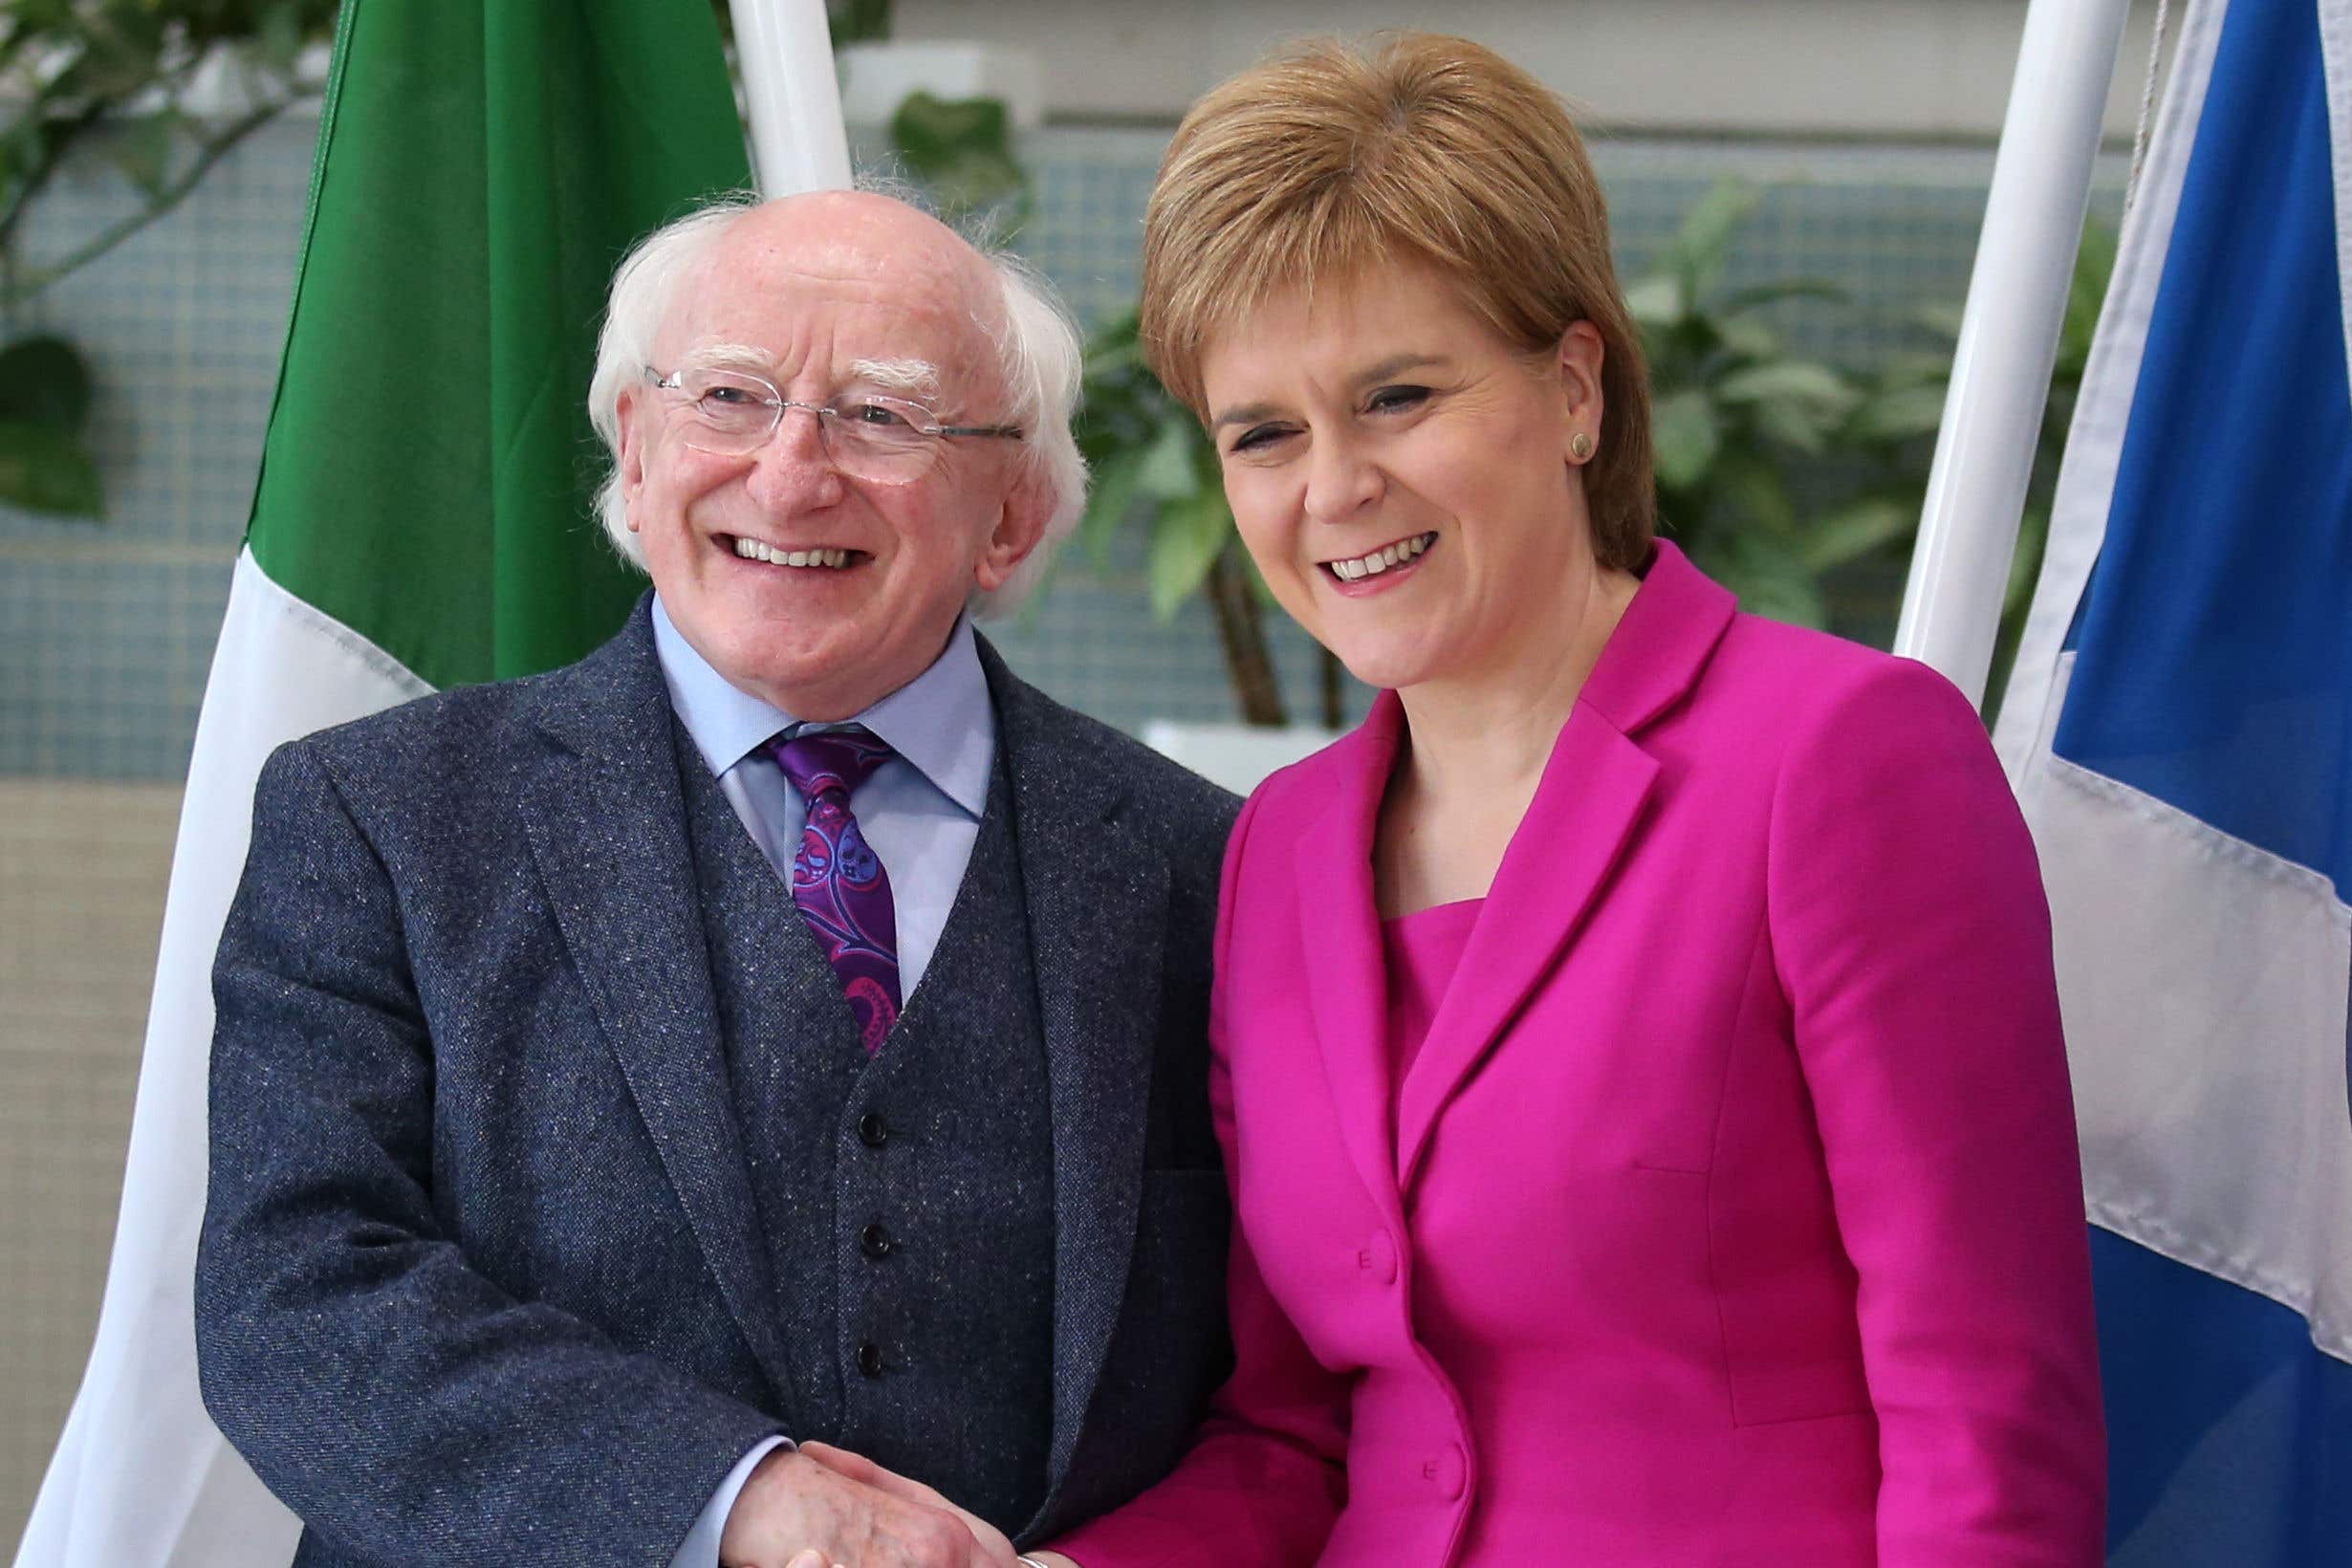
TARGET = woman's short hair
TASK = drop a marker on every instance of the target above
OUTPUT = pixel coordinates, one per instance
(1327, 162)
(1036, 346)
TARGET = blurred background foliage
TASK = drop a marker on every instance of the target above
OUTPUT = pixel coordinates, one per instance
(121, 73)
(1776, 472)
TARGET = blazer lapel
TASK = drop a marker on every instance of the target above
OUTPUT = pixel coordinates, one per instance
(1347, 979)
(606, 822)
(1587, 809)
(1584, 810)
(1097, 893)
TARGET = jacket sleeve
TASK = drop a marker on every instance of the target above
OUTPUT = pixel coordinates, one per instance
(408, 1408)
(1265, 1477)
(1913, 940)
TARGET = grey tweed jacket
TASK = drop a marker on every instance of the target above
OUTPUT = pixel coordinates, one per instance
(481, 1277)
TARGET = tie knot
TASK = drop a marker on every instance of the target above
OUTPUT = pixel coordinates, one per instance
(821, 761)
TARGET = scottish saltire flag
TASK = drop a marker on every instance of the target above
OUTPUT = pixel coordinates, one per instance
(2179, 729)
(419, 522)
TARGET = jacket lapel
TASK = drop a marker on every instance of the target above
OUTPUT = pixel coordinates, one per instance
(606, 822)
(1584, 810)
(1347, 979)
(1588, 806)
(1096, 890)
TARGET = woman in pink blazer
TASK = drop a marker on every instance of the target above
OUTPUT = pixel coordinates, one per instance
(1636, 1047)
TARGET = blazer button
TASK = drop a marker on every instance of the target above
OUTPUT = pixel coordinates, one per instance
(1377, 1258)
(875, 1242)
(870, 1359)
(872, 1130)
(1446, 1471)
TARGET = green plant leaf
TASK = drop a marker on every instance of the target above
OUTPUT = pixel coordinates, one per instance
(935, 134)
(1168, 472)
(1747, 337)
(1941, 316)
(858, 21)
(1184, 540)
(1855, 529)
(141, 149)
(1704, 242)
(44, 381)
(1687, 434)
(1657, 300)
(1900, 413)
(1756, 494)
(1107, 506)
(1793, 422)
(43, 469)
(1769, 580)
(1783, 289)
(1790, 381)
(278, 36)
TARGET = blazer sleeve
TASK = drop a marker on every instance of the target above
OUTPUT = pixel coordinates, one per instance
(1265, 1477)
(404, 1406)
(1913, 940)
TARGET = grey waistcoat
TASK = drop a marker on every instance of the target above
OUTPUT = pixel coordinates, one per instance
(906, 1199)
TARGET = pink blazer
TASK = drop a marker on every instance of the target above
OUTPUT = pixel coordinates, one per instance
(1729, 1214)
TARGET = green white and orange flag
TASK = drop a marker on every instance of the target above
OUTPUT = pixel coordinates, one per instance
(421, 520)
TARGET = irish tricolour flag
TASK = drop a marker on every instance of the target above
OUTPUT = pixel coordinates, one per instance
(2180, 732)
(421, 521)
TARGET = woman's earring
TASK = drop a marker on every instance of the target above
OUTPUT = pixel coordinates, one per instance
(1581, 447)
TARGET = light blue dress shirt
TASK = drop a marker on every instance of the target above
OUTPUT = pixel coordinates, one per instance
(920, 812)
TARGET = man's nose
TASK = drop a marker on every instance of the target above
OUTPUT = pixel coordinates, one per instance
(794, 469)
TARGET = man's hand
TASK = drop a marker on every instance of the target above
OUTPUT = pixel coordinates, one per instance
(795, 1512)
(864, 1472)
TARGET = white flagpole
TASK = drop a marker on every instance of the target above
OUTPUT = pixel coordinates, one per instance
(2017, 302)
(785, 53)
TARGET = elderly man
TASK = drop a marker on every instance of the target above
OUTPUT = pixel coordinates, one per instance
(783, 1024)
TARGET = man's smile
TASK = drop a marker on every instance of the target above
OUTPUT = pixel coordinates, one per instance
(820, 555)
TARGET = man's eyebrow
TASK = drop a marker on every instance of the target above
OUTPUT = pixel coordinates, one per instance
(729, 357)
(1395, 364)
(919, 376)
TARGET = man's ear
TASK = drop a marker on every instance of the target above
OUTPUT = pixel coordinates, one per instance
(1020, 526)
(634, 420)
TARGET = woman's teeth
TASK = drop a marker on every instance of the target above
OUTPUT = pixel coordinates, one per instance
(752, 550)
(1381, 560)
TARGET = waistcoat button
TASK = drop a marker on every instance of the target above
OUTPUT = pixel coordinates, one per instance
(870, 1359)
(875, 1242)
(872, 1130)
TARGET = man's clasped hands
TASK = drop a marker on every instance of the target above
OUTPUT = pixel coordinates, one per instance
(823, 1506)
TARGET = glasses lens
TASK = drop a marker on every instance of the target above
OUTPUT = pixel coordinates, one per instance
(882, 435)
(733, 412)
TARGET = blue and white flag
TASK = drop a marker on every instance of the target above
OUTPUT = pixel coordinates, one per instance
(2179, 728)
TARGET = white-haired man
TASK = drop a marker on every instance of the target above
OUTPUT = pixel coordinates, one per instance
(782, 1025)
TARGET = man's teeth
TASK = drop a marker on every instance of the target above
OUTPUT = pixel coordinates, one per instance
(752, 550)
(1381, 560)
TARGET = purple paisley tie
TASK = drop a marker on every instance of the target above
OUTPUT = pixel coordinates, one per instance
(837, 881)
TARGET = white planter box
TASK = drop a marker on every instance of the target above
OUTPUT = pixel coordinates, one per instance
(1236, 756)
(876, 78)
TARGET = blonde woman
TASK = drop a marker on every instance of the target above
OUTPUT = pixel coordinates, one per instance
(1635, 1049)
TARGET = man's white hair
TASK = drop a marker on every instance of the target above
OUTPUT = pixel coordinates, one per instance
(1036, 348)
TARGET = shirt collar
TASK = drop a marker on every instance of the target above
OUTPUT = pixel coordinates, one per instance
(927, 721)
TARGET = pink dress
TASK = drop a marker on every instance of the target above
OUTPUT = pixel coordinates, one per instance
(1421, 952)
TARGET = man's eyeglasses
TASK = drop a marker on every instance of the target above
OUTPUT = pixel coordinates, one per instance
(868, 434)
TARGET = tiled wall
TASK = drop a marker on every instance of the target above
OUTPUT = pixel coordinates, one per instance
(105, 629)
